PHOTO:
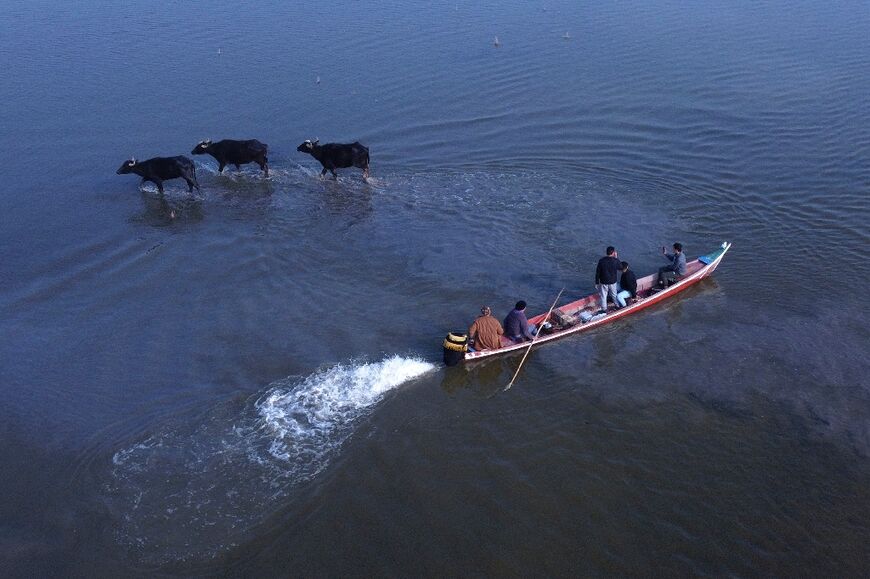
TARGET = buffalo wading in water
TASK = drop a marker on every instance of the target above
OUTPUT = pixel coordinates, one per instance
(336, 156)
(160, 169)
(230, 152)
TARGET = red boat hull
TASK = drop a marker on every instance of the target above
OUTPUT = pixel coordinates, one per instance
(695, 271)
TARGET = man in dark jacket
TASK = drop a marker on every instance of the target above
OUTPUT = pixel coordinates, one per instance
(516, 326)
(627, 286)
(605, 277)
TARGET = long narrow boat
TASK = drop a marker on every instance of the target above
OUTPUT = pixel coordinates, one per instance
(569, 319)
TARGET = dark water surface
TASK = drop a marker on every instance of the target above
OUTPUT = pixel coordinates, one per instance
(253, 387)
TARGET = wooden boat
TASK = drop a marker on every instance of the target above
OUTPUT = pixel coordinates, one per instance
(568, 319)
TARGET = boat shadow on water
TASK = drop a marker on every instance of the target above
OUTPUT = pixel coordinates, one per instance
(484, 378)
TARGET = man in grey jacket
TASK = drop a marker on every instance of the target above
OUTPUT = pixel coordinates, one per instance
(676, 269)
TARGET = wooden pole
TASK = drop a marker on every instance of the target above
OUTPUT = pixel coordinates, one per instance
(535, 339)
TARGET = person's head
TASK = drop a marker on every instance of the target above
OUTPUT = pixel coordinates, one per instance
(610, 250)
(485, 311)
(678, 247)
(521, 305)
(624, 265)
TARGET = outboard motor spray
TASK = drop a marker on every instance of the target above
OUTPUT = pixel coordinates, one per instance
(455, 346)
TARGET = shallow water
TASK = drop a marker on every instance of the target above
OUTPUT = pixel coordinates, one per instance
(254, 387)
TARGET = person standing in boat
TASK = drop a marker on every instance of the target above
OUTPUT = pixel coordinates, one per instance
(485, 333)
(627, 289)
(516, 326)
(676, 269)
(605, 277)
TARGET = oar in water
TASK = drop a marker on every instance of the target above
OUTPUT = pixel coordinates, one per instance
(535, 339)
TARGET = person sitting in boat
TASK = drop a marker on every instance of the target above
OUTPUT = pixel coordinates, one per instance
(516, 326)
(605, 278)
(485, 333)
(626, 289)
(676, 269)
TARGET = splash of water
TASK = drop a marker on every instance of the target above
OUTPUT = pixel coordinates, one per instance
(193, 490)
(308, 419)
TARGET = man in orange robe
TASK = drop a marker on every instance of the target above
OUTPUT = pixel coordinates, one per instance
(485, 333)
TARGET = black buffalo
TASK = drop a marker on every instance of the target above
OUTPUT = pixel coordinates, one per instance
(160, 169)
(336, 155)
(230, 152)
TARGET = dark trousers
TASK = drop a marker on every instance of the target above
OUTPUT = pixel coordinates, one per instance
(667, 276)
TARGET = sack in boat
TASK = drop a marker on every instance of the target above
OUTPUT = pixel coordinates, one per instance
(564, 320)
(549, 328)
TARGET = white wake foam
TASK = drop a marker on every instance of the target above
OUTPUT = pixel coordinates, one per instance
(311, 418)
(193, 490)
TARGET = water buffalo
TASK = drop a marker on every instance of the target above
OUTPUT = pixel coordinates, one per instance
(160, 169)
(230, 152)
(336, 155)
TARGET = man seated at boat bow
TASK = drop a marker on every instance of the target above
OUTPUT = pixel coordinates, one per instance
(516, 326)
(676, 269)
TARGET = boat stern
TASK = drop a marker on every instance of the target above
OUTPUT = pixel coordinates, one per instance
(455, 346)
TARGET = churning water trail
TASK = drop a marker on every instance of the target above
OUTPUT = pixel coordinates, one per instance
(306, 421)
(192, 491)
